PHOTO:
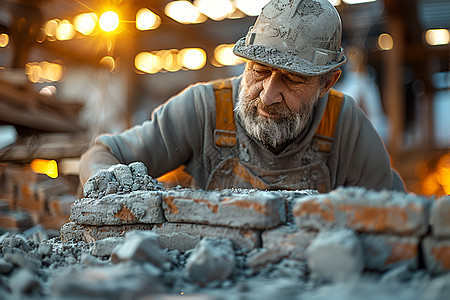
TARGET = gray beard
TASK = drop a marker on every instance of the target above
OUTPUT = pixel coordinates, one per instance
(273, 132)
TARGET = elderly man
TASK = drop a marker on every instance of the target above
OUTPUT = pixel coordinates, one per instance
(278, 126)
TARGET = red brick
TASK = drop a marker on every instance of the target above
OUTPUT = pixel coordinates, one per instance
(440, 217)
(364, 211)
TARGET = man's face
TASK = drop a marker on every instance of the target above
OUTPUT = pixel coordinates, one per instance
(276, 105)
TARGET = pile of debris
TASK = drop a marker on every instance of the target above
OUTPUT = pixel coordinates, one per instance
(237, 244)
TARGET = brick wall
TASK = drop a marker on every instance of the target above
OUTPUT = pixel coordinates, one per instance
(393, 228)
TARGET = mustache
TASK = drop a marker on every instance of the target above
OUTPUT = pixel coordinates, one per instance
(278, 110)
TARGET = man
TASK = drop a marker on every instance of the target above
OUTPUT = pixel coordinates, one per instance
(278, 126)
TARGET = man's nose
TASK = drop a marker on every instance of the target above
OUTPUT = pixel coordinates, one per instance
(272, 89)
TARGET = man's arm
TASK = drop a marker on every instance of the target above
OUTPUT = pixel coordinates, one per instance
(96, 158)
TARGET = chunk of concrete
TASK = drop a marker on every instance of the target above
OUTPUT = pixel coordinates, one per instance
(362, 210)
(212, 260)
(255, 210)
(140, 246)
(106, 246)
(118, 209)
(336, 256)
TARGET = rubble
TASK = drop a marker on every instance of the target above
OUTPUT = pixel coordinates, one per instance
(338, 251)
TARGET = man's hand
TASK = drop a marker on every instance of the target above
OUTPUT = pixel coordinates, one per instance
(120, 179)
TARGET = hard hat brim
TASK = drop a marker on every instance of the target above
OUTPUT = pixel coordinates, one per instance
(284, 60)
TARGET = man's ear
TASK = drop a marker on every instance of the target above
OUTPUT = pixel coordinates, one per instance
(333, 79)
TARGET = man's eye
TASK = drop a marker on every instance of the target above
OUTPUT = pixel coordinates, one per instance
(293, 81)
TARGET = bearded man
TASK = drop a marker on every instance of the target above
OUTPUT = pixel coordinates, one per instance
(279, 125)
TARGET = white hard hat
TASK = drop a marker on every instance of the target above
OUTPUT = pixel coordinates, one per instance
(299, 36)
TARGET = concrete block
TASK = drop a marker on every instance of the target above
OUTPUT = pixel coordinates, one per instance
(256, 209)
(106, 246)
(336, 256)
(212, 260)
(91, 233)
(171, 232)
(440, 217)
(384, 252)
(363, 210)
(290, 198)
(436, 255)
(119, 209)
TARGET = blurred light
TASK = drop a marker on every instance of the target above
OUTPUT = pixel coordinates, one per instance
(4, 40)
(335, 2)
(47, 167)
(109, 21)
(85, 23)
(251, 7)
(436, 37)
(65, 31)
(357, 1)
(41, 35)
(43, 71)
(224, 55)
(184, 12)
(215, 9)
(108, 62)
(49, 90)
(51, 27)
(192, 58)
(148, 62)
(170, 60)
(147, 20)
(385, 42)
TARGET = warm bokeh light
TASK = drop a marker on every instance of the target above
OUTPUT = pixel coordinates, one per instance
(148, 62)
(170, 60)
(192, 58)
(224, 55)
(4, 40)
(44, 72)
(51, 27)
(215, 9)
(109, 21)
(385, 42)
(48, 90)
(65, 31)
(86, 23)
(184, 12)
(436, 37)
(47, 167)
(147, 20)
(357, 1)
(108, 62)
(434, 175)
(251, 7)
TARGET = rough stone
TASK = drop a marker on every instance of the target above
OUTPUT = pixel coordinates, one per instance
(336, 256)
(118, 209)
(439, 217)
(140, 246)
(212, 260)
(24, 282)
(106, 246)
(364, 210)
(5, 266)
(436, 255)
(384, 252)
(256, 210)
(244, 238)
(45, 249)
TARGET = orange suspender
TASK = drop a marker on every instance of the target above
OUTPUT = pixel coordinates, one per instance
(323, 138)
(225, 132)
